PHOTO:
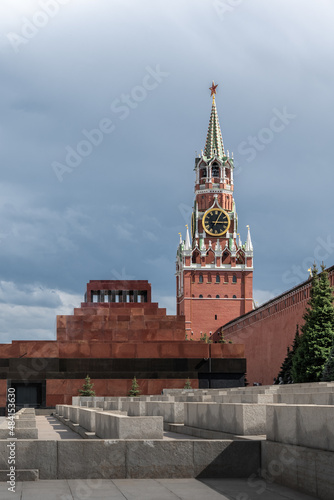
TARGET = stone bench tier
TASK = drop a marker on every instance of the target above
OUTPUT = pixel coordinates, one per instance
(113, 426)
(310, 426)
(234, 418)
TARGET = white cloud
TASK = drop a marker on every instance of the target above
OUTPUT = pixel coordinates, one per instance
(29, 229)
(28, 295)
(166, 301)
(28, 312)
(119, 206)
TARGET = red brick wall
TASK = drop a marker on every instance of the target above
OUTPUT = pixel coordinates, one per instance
(268, 330)
(201, 313)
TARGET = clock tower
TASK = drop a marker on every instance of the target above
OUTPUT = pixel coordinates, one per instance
(214, 270)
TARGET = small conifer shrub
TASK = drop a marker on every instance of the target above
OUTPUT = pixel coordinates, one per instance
(187, 385)
(135, 390)
(87, 388)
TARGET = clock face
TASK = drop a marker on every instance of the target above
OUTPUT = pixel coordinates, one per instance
(216, 221)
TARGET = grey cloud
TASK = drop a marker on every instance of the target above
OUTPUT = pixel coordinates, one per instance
(118, 209)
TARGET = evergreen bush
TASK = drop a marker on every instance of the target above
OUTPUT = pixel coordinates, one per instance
(317, 336)
(135, 390)
(87, 388)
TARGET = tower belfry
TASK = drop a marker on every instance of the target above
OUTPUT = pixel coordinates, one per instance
(214, 271)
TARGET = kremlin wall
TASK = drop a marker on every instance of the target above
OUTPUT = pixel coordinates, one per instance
(267, 331)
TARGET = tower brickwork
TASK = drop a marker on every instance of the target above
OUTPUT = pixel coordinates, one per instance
(214, 269)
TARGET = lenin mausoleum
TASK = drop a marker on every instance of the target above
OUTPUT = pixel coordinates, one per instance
(118, 333)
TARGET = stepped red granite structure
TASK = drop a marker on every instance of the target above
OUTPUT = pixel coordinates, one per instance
(116, 334)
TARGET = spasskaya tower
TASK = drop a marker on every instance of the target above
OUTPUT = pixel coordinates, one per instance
(214, 270)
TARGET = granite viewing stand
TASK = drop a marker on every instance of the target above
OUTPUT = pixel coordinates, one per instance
(268, 431)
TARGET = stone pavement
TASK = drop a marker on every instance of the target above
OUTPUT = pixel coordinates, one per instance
(50, 428)
(150, 489)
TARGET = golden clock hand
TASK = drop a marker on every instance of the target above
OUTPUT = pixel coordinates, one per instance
(218, 218)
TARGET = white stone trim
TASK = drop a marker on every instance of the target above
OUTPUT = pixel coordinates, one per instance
(214, 298)
(213, 190)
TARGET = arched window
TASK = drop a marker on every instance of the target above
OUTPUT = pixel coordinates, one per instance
(196, 257)
(200, 279)
(217, 297)
(234, 296)
(209, 296)
(234, 279)
(217, 278)
(201, 296)
(209, 278)
(215, 170)
(225, 296)
(226, 258)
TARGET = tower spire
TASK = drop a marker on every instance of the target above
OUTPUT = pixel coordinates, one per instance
(214, 140)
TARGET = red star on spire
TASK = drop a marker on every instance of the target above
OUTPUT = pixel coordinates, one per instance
(213, 88)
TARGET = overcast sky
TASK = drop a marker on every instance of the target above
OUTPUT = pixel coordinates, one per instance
(103, 106)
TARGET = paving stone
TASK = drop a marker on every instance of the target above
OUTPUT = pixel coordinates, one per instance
(190, 489)
(94, 489)
(258, 489)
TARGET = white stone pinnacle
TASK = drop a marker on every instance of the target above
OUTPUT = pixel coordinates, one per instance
(187, 245)
(249, 245)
